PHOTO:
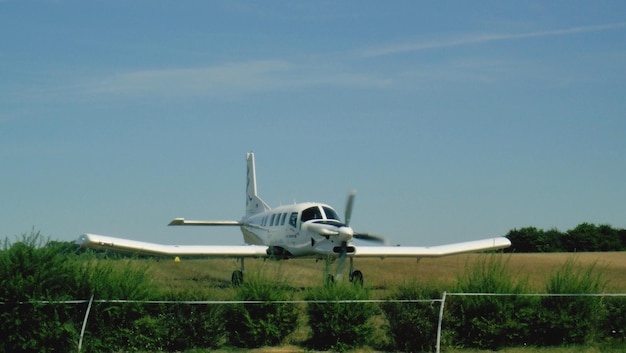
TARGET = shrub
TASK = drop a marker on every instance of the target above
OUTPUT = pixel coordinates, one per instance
(254, 325)
(184, 326)
(490, 322)
(339, 326)
(413, 325)
(117, 325)
(32, 270)
(571, 319)
(613, 324)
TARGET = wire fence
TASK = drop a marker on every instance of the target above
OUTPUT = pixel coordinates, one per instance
(441, 301)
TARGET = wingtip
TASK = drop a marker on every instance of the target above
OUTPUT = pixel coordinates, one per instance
(177, 222)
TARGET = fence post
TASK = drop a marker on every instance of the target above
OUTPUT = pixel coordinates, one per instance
(82, 330)
(443, 302)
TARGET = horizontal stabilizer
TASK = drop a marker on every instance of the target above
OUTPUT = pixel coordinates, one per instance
(101, 242)
(183, 222)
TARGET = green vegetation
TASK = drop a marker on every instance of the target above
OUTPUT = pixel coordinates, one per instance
(33, 270)
(339, 325)
(584, 237)
(412, 325)
(490, 322)
(252, 325)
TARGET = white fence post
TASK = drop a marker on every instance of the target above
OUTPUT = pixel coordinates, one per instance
(82, 330)
(443, 302)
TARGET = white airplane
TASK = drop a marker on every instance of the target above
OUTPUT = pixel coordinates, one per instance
(300, 230)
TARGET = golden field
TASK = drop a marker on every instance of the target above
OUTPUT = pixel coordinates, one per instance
(382, 274)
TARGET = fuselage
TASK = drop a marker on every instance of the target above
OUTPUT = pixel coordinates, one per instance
(284, 229)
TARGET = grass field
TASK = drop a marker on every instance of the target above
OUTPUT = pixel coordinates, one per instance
(212, 275)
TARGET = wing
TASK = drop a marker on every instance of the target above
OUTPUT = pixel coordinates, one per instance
(184, 222)
(434, 251)
(101, 242)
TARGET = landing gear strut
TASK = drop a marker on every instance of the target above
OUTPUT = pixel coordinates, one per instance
(237, 277)
(355, 276)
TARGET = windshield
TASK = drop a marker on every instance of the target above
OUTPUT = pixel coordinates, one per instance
(330, 213)
(311, 213)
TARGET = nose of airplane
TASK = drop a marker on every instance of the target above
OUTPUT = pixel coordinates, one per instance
(345, 234)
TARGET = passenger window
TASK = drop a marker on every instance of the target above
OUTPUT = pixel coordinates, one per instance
(293, 219)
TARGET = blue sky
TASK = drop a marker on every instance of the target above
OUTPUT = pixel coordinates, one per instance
(453, 120)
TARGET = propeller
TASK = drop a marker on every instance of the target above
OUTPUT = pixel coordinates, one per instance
(348, 216)
(349, 206)
(341, 265)
(349, 233)
(371, 237)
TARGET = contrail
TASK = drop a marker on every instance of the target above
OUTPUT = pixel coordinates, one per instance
(484, 38)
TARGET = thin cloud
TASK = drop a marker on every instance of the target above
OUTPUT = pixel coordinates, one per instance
(483, 38)
(233, 77)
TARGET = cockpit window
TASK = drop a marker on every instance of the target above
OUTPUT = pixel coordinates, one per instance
(311, 213)
(330, 213)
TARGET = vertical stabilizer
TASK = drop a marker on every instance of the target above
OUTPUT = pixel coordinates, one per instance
(254, 204)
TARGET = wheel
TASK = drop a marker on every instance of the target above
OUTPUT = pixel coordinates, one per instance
(237, 278)
(330, 280)
(356, 277)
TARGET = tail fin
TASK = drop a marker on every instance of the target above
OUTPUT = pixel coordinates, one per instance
(254, 204)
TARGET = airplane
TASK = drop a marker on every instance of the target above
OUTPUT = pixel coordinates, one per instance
(309, 229)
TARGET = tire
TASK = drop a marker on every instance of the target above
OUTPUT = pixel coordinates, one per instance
(237, 278)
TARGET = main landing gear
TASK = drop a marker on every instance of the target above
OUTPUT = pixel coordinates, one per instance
(237, 277)
(355, 276)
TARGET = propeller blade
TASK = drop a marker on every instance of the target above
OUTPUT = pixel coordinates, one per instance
(349, 205)
(371, 237)
(341, 265)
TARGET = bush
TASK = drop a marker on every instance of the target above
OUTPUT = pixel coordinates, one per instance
(413, 326)
(120, 325)
(186, 326)
(254, 325)
(490, 322)
(613, 324)
(32, 270)
(340, 326)
(571, 319)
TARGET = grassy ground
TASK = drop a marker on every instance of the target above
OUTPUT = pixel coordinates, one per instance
(212, 276)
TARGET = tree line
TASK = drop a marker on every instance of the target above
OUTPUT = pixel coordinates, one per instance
(585, 237)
